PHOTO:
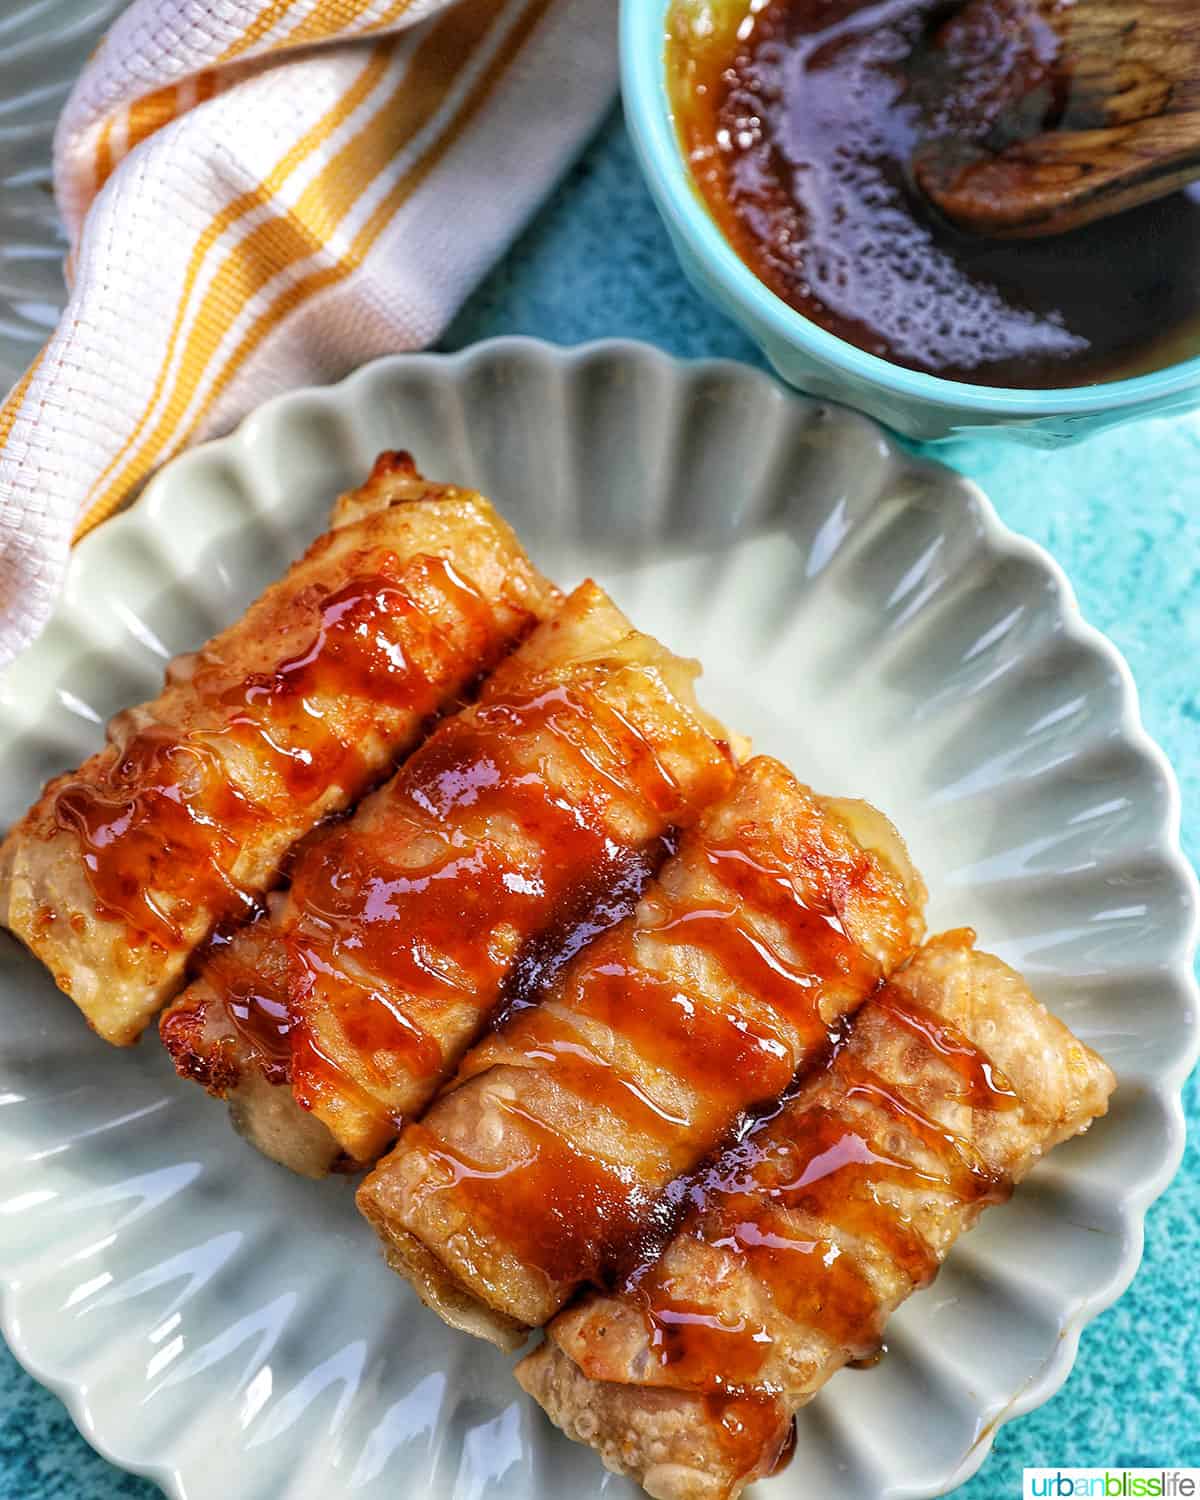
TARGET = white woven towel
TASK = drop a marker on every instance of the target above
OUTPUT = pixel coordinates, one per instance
(261, 194)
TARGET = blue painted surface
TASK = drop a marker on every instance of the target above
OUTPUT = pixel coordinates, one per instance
(1122, 514)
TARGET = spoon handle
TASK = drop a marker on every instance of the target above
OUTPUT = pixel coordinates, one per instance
(1042, 115)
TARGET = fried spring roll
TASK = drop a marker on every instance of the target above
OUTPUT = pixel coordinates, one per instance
(181, 822)
(780, 914)
(403, 925)
(798, 1242)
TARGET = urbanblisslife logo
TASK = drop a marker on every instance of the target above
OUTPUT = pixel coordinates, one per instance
(1111, 1484)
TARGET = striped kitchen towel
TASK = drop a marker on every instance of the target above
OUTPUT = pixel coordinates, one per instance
(260, 194)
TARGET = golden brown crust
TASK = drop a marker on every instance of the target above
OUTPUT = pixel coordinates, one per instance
(117, 969)
(409, 1258)
(567, 803)
(662, 1438)
(212, 1057)
(952, 1085)
(562, 1176)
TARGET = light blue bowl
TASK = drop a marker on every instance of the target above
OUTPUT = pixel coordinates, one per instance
(806, 355)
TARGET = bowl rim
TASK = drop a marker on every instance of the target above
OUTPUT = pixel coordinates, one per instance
(651, 125)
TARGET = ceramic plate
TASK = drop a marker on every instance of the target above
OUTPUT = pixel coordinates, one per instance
(232, 1331)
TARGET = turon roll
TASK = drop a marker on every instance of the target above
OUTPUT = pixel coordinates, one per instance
(339, 1017)
(178, 826)
(798, 1242)
(780, 914)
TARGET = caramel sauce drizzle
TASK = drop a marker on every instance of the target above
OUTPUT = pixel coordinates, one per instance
(394, 950)
(603, 903)
(827, 1164)
(162, 828)
(984, 1086)
(586, 1215)
(164, 821)
(584, 1187)
(756, 1433)
(248, 969)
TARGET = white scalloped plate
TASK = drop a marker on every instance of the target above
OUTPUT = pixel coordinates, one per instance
(231, 1331)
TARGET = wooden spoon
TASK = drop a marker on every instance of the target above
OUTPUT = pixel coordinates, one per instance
(1042, 115)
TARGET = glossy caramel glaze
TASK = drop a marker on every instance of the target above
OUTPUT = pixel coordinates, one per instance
(161, 829)
(796, 1242)
(763, 1205)
(187, 816)
(548, 1160)
(248, 970)
(503, 836)
(823, 1159)
(752, 1433)
(246, 974)
(815, 1164)
(444, 929)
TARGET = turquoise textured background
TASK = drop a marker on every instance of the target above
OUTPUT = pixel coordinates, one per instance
(1121, 513)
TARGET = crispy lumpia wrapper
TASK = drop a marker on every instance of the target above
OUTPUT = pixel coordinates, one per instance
(799, 1242)
(545, 1163)
(183, 820)
(403, 926)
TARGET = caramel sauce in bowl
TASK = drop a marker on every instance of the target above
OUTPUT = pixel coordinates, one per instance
(800, 124)
(1047, 355)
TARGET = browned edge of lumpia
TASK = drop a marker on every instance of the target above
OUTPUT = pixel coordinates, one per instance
(799, 1242)
(547, 1159)
(404, 924)
(185, 818)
